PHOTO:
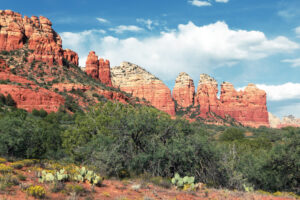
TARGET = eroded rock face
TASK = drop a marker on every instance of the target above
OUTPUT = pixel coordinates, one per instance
(98, 69)
(71, 56)
(104, 72)
(206, 96)
(140, 83)
(37, 33)
(184, 90)
(92, 65)
(247, 107)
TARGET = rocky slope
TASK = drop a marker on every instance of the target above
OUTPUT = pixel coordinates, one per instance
(140, 83)
(290, 120)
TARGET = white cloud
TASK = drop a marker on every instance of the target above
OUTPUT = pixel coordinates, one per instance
(102, 20)
(123, 28)
(222, 1)
(190, 48)
(199, 3)
(297, 31)
(281, 92)
(294, 62)
(148, 23)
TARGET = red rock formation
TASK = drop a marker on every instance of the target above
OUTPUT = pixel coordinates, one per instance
(30, 99)
(140, 83)
(11, 36)
(98, 69)
(15, 32)
(92, 65)
(26, 97)
(70, 86)
(104, 72)
(206, 96)
(247, 107)
(71, 56)
(184, 90)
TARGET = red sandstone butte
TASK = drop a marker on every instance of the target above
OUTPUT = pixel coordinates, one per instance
(184, 90)
(206, 96)
(247, 107)
(140, 83)
(98, 69)
(104, 72)
(92, 65)
(36, 32)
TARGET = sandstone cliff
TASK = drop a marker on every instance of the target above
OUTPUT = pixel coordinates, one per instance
(247, 107)
(184, 90)
(206, 96)
(140, 83)
(98, 69)
(37, 34)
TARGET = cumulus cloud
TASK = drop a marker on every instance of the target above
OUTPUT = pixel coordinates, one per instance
(281, 92)
(222, 1)
(102, 20)
(199, 3)
(190, 48)
(124, 28)
(294, 62)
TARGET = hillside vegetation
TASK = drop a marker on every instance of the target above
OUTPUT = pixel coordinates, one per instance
(126, 141)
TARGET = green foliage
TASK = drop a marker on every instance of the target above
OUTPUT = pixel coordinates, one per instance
(116, 137)
(7, 100)
(39, 113)
(232, 134)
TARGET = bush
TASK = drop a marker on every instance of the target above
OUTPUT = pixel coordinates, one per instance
(232, 134)
(36, 191)
(17, 165)
(5, 169)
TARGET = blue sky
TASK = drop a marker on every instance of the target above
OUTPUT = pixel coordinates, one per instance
(239, 41)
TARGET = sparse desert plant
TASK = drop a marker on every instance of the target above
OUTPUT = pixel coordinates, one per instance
(3, 160)
(5, 169)
(36, 191)
(17, 165)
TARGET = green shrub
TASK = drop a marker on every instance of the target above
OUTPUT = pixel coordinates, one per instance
(231, 134)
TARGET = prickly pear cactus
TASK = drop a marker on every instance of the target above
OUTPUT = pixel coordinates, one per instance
(186, 183)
